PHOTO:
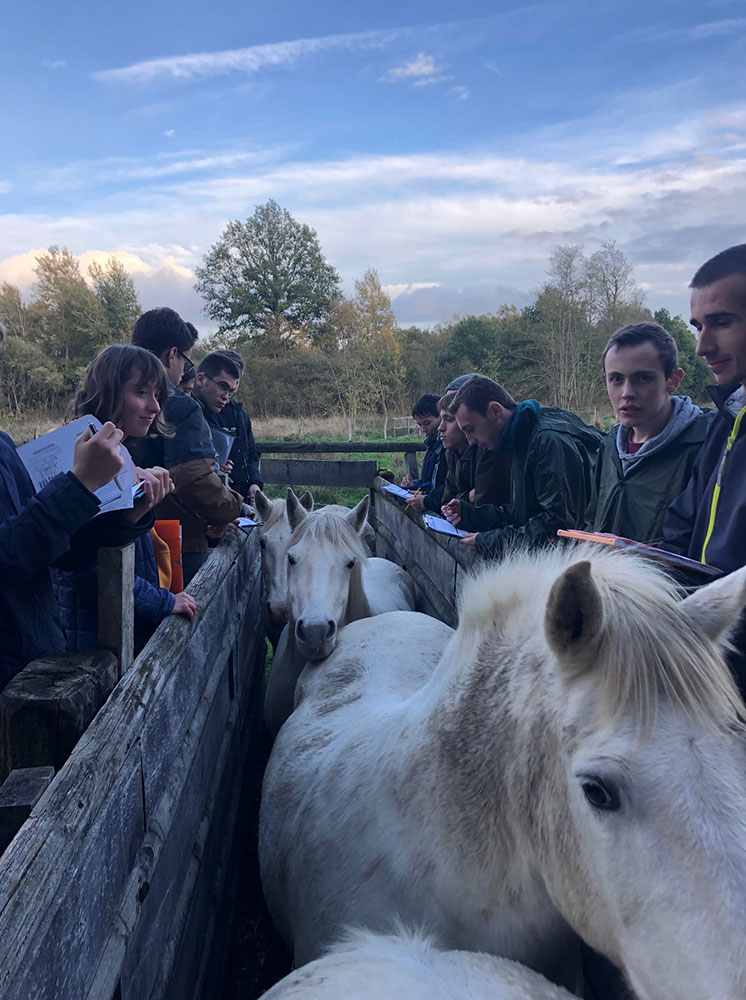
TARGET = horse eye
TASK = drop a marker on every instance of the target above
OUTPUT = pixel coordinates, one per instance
(599, 796)
(291, 560)
(350, 564)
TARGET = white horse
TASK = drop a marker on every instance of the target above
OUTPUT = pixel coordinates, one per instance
(575, 765)
(409, 967)
(330, 581)
(274, 540)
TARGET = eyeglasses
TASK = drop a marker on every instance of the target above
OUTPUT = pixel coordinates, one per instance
(188, 363)
(225, 389)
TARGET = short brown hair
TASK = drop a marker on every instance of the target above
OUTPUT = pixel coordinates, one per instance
(722, 265)
(216, 362)
(653, 333)
(444, 403)
(479, 392)
(101, 393)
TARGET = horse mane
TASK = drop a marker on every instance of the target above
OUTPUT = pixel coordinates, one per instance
(276, 514)
(330, 526)
(648, 652)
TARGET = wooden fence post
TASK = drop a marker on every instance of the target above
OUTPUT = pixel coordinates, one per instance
(410, 457)
(116, 603)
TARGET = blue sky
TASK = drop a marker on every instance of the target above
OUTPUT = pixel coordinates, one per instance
(450, 146)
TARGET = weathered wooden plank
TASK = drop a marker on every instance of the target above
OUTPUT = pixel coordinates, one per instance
(48, 705)
(116, 603)
(310, 473)
(64, 877)
(336, 447)
(410, 460)
(19, 793)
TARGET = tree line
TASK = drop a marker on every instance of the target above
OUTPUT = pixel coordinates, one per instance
(311, 350)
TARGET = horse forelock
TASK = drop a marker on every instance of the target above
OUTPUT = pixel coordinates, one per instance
(332, 527)
(277, 513)
(648, 651)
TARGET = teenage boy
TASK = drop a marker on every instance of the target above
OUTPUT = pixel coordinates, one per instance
(427, 418)
(647, 458)
(459, 458)
(244, 458)
(552, 479)
(200, 500)
(491, 468)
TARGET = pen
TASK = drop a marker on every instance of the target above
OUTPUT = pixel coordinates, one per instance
(408, 502)
(92, 429)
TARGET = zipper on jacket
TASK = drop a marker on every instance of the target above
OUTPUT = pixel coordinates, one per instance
(716, 492)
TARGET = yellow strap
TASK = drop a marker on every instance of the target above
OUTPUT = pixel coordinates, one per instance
(716, 492)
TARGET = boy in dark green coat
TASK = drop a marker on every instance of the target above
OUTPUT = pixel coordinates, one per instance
(647, 458)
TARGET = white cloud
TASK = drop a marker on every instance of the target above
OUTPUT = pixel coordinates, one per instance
(54, 64)
(4, 187)
(247, 60)
(715, 28)
(170, 132)
(460, 92)
(394, 291)
(422, 65)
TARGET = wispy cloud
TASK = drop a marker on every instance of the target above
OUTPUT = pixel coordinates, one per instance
(422, 67)
(248, 60)
(714, 28)
(54, 64)
(4, 187)
(460, 92)
(170, 132)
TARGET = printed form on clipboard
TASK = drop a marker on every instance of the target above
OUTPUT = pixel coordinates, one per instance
(45, 457)
(443, 527)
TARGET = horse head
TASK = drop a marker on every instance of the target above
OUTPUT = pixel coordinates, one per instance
(642, 824)
(274, 538)
(324, 584)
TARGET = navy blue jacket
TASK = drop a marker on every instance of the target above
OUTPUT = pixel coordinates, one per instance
(234, 419)
(34, 531)
(686, 523)
(76, 590)
(434, 466)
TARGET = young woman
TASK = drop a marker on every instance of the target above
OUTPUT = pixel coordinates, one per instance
(126, 385)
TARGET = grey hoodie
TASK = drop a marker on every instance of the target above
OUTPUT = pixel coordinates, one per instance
(683, 413)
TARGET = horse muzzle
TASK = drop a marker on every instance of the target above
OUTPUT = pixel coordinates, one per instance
(315, 639)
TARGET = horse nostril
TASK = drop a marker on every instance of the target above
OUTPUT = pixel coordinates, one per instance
(299, 629)
(331, 629)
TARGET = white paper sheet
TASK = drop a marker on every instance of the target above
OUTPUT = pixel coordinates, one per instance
(440, 524)
(47, 456)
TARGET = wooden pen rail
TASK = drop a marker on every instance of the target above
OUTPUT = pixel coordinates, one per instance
(330, 473)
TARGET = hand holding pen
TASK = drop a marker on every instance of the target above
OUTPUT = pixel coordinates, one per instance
(92, 431)
(97, 459)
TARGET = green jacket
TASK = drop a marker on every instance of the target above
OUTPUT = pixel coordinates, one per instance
(634, 505)
(552, 480)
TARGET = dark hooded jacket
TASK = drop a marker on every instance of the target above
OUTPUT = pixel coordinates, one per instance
(433, 464)
(35, 529)
(199, 496)
(459, 479)
(634, 504)
(552, 480)
(234, 419)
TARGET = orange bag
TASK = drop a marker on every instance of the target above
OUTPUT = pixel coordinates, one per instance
(170, 532)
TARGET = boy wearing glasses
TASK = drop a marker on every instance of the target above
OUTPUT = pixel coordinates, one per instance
(200, 500)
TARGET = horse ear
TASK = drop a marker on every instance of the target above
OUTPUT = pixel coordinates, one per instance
(295, 512)
(262, 504)
(574, 612)
(716, 608)
(306, 501)
(356, 517)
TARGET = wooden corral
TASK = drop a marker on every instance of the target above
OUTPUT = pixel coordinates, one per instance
(324, 473)
(114, 885)
(438, 564)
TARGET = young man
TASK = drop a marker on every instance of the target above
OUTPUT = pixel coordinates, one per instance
(459, 458)
(647, 458)
(199, 499)
(427, 418)
(491, 468)
(233, 418)
(552, 478)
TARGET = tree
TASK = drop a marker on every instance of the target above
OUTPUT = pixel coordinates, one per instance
(27, 376)
(116, 295)
(267, 277)
(14, 315)
(474, 345)
(614, 299)
(73, 325)
(697, 375)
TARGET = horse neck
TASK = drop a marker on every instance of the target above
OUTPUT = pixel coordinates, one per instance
(357, 600)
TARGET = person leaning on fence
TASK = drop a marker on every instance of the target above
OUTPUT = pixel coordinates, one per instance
(647, 458)
(459, 458)
(707, 522)
(199, 498)
(552, 473)
(233, 418)
(127, 386)
(427, 418)
(35, 530)
(491, 468)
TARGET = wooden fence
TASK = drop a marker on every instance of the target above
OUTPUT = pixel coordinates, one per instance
(326, 473)
(113, 886)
